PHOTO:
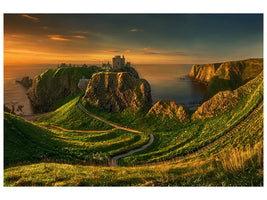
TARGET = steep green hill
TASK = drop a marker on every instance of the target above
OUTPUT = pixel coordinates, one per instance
(55, 84)
(69, 116)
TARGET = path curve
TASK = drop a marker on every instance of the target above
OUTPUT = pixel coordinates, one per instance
(82, 131)
(113, 160)
(105, 121)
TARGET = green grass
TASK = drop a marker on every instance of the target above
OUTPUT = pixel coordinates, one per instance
(197, 134)
(43, 156)
(27, 142)
(235, 161)
(193, 172)
(69, 116)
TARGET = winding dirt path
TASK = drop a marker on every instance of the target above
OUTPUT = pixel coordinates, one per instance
(81, 131)
(113, 160)
(105, 121)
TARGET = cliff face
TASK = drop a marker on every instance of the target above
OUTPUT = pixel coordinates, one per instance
(203, 73)
(227, 75)
(225, 100)
(55, 84)
(170, 109)
(118, 91)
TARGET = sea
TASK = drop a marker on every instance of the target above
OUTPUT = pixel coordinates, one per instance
(167, 81)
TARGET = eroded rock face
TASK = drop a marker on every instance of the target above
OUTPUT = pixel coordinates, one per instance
(170, 109)
(55, 84)
(117, 91)
(225, 100)
(217, 102)
(203, 73)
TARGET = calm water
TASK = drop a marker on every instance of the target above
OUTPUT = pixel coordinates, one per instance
(167, 82)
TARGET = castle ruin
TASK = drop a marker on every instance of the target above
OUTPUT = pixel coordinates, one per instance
(118, 62)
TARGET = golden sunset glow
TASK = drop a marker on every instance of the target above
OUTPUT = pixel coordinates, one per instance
(30, 38)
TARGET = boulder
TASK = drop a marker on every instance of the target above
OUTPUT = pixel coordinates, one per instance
(170, 109)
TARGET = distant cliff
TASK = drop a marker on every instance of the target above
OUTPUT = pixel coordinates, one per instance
(225, 100)
(116, 91)
(55, 84)
(227, 75)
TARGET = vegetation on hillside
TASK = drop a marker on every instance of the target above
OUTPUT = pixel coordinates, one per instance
(231, 142)
(27, 142)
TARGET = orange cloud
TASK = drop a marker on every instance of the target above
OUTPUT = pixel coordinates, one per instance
(135, 30)
(36, 19)
(111, 51)
(79, 36)
(127, 51)
(58, 37)
(146, 48)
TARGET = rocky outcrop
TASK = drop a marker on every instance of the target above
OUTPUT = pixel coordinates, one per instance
(25, 81)
(203, 73)
(225, 100)
(117, 91)
(227, 75)
(169, 109)
(55, 84)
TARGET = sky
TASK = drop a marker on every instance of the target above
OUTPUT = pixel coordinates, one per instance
(141, 38)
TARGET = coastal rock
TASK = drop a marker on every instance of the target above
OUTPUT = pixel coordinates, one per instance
(227, 75)
(25, 81)
(225, 100)
(118, 91)
(203, 73)
(170, 109)
(55, 84)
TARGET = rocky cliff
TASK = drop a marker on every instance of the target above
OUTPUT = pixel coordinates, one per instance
(225, 100)
(227, 75)
(169, 109)
(203, 73)
(117, 91)
(55, 84)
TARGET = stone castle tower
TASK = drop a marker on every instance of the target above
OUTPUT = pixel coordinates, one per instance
(118, 62)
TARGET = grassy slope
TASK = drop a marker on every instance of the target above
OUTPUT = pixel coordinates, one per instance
(197, 134)
(214, 167)
(27, 142)
(69, 116)
(237, 160)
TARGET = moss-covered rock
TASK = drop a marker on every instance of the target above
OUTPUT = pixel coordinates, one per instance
(55, 84)
(118, 91)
